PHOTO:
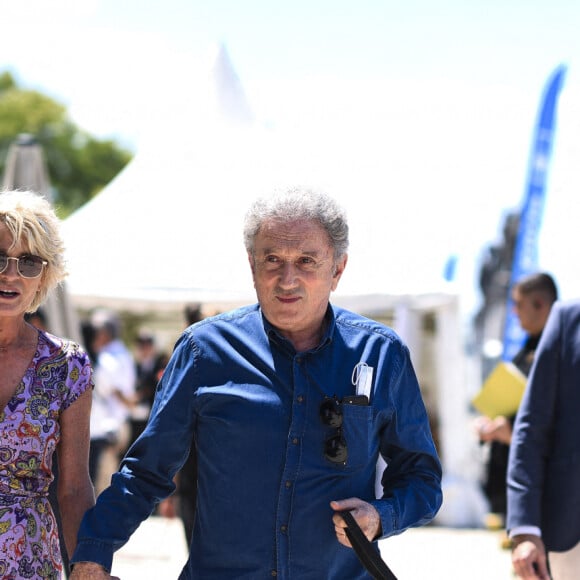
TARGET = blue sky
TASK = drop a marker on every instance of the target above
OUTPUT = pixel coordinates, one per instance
(90, 51)
(449, 89)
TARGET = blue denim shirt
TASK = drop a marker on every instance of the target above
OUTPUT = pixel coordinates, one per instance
(238, 392)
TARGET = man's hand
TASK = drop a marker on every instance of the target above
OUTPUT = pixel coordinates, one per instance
(364, 513)
(529, 558)
(90, 571)
(498, 429)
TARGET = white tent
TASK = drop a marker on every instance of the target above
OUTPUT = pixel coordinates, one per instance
(168, 228)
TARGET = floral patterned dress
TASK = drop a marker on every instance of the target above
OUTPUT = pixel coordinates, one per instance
(29, 433)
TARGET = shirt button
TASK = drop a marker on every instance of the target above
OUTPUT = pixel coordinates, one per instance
(295, 440)
(273, 573)
(300, 398)
(283, 529)
(288, 484)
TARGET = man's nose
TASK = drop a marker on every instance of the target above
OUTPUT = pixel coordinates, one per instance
(288, 274)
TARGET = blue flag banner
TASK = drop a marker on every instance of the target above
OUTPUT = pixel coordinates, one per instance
(450, 268)
(525, 259)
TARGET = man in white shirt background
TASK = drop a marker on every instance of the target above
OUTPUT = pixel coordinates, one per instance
(113, 397)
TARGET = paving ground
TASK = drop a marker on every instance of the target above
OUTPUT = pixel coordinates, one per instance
(157, 551)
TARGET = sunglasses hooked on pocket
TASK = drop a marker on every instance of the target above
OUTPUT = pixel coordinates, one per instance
(335, 446)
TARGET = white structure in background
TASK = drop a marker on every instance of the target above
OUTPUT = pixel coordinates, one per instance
(168, 230)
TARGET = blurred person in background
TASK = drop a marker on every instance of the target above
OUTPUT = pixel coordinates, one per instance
(45, 399)
(543, 517)
(533, 297)
(113, 397)
(149, 365)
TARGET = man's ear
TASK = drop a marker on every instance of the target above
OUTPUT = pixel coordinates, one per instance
(338, 271)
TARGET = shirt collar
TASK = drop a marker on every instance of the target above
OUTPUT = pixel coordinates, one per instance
(329, 326)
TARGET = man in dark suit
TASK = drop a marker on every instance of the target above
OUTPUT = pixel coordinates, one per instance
(543, 479)
(533, 297)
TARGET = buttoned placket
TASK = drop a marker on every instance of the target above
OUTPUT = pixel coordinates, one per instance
(292, 464)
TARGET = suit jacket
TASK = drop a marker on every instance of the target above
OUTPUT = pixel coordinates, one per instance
(544, 462)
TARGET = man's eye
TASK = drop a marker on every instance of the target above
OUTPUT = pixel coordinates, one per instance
(271, 263)
(307, 263)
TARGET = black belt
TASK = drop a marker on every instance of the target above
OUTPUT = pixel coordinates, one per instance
(368, 556)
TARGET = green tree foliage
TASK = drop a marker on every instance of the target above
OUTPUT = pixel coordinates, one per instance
(79, 165)
(6, 81)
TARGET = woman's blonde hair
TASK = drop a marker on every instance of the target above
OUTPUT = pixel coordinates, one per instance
(31, 220)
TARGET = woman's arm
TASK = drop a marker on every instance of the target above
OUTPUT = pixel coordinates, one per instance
(75, 490)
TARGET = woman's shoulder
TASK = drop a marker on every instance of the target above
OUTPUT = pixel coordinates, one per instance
(69, 363)
(52, 345)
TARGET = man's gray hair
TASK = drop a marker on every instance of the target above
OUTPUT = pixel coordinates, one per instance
(295, 204)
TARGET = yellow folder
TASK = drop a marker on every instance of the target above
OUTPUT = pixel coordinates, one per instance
(501, 392)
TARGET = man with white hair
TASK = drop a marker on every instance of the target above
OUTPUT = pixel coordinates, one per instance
(287, 405)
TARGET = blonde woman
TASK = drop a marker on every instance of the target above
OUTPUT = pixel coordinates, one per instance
(45, 398)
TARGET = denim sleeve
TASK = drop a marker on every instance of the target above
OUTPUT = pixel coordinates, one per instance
(145, 476)
(411, 481)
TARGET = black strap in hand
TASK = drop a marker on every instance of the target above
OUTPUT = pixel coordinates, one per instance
(369, 557)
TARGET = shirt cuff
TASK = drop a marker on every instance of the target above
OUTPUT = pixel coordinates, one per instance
(387, 518)
(95, 552)
(522, 530)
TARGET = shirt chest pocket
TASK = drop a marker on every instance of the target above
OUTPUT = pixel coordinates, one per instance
(356, 429)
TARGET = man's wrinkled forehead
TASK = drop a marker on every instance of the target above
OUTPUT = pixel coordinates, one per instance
(306, 235)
